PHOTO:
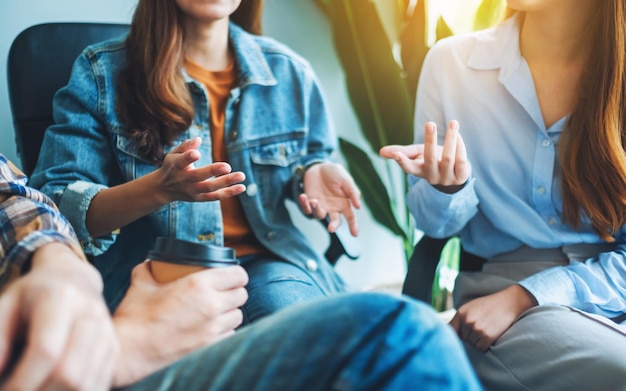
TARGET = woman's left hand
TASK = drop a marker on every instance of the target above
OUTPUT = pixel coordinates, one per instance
(482, 321)
(330, 190)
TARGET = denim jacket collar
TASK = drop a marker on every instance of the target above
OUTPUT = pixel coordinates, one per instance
(251, 64)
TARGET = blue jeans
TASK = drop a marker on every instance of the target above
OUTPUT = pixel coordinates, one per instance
(275, 284)
(355, 341)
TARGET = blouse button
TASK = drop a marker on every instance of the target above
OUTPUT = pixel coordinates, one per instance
(546, 143)
(311, 265)
(541, 190)
(552, 221)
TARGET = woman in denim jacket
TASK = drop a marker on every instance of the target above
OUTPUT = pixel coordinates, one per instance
(156, 133)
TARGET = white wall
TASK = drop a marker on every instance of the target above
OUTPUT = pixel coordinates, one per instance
(296, 23)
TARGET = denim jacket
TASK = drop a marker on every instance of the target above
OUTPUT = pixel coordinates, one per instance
(276, 124)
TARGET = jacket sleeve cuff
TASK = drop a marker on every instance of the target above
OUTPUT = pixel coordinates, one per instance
(297, 186)
(74, 205)
(440, 214)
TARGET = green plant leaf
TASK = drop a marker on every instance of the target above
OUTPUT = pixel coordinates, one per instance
(489, 13)
(372, 187)
(443, 29)
(374, 79)
(414, 45)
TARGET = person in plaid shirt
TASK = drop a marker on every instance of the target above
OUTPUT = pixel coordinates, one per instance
(56, 331)
(59, 296)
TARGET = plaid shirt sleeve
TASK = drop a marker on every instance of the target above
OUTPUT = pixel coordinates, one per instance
(28, 220)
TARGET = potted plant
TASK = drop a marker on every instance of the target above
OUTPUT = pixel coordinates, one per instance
(382, 72)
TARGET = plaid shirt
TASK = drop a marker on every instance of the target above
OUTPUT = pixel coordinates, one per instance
(28, 220)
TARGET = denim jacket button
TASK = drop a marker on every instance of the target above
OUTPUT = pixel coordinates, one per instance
(252, 189)
(233, 135)
(300, 171)
(198, 126)
(209, 236)
(311, 265)
(270, 235)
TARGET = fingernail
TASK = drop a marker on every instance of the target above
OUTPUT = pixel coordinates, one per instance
(454, 125)
(430, 127)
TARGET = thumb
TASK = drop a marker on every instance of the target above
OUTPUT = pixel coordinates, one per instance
(455, 323)
(142, 272)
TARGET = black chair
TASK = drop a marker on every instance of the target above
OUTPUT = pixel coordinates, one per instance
(40, 62)
(420, 275)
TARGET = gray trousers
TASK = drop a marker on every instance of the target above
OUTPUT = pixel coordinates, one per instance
(549, 347)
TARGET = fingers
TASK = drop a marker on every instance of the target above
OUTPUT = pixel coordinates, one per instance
(448, 156)
(217, 169)
(470, 332)
(186, 159)
(411, 151)
(47, 336)
(85, 365)
(305, 205)
(310, 207)
(431, 159)
(221, 187)
(462, 166)
(351, 191)
(352, 222)
(232, 319)
(334, 221)
(187, 145)
(142, 274)
(455, 323)
(354, 195)
(230, 300)
(410, 166)
(186, 153)
(223, 278)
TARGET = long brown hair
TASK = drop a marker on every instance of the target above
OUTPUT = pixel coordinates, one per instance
(153, 100)
(592, 148)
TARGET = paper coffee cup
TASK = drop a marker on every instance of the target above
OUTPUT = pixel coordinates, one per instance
(172, 258)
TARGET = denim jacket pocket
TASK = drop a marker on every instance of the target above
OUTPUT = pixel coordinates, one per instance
(279, 151)
(129, 158)
(272, 161)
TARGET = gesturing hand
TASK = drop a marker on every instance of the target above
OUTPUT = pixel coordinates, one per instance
(330, 190)
(446, 168)
(69, 340)
(160, 323)
(182, 181)
(482, 321)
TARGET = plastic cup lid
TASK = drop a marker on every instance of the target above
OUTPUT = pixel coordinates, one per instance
(192, 253)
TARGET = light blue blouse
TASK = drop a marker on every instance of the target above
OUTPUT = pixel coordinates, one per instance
(514, 195)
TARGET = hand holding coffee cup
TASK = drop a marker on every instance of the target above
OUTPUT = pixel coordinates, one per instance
(171, 258)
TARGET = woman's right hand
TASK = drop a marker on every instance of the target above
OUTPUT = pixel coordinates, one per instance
(181, 181)
(445, 167)
(176, 180)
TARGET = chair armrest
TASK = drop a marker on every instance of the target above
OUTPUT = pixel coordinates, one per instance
(421, 268)
(341, 243)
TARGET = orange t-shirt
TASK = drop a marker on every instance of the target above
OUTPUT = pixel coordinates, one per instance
(237, 231)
